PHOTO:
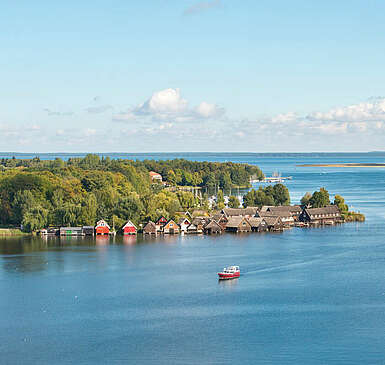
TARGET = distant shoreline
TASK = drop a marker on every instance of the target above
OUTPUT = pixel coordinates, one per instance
(378, 165)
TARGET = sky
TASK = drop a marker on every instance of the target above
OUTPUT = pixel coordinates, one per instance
(188, 75)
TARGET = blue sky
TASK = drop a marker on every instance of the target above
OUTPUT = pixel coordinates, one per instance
(186, 75)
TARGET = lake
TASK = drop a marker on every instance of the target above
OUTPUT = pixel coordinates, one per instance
(305, 296)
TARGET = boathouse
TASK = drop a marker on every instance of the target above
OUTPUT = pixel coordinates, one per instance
(160, 223)
(221, 219)
(192, 228)
(258, 224)
(102, 227)
(88, 230)
(326, 215)
(183, 224)
(150, 228)
(286, 218)
(213, 227)
(286, 210)
(71, 231)
(171, 227)
(274, 223)
(200, 222)
(129, 228)
(238, 224)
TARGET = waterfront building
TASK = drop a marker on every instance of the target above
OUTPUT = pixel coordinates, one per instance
(150, 228)
(88, 230)
(213, 227)
(238, 224)
(258, 224)
(183, 224)
(326, 215)
(171, 227)
(160, 223)
(71, 231)
(129, 228)
(102, 227)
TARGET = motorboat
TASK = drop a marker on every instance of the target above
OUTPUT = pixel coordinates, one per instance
(230, 272)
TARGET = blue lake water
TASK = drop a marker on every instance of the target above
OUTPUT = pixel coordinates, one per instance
(306, 296)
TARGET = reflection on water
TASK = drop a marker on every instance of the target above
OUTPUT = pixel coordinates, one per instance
(228, 284)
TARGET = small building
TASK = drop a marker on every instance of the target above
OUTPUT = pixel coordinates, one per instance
(171, 227)
(183, 224)
(326, 215)
(160, 223)
(192, 228)
(200, 222)
(88, 230)
(258, 224)
(238, 224)
(213, 227)
(129, 228)
(155, 177)
(150, 228)
(71, 231)
(221, 219)
(274, 223)
(102, 227)
(286, 218)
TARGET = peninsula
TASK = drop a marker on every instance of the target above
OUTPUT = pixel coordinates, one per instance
(342, 164)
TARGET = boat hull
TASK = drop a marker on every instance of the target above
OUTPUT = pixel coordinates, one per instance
(223, 276)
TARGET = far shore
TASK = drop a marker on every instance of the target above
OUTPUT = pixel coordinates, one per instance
(378, 165)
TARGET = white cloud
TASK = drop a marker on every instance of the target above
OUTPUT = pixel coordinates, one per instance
(98, 109)
(168, 105)
(58, 113)
(362, 112)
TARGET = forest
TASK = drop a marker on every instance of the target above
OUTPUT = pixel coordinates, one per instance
(37, 193)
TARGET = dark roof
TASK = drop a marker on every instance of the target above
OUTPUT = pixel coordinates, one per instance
(328, 210)
(200, 220)
(282, 214)
(181, 220)
(218, 216)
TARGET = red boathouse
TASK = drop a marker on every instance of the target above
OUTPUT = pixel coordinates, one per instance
(129, 228)
(102, 227)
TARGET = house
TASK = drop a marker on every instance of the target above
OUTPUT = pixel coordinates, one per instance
(326, 215)
(155, 177)
(221, 219)
(240, 212)
(258, 224)
(273, 223)
(150, 228)
(238, 224)
(192, 228)
(160, 224)
(71, 231)
(183, 224)
(171, 227)
(102, 227)
(129, 228)
(213, 227)
(286, 218)
(186, 214)
(88, 230)
(199, 223)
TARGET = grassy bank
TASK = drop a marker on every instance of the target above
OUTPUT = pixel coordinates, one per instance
(353, 217)
(6, 232)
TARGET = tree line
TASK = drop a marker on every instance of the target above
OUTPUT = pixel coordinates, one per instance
(37, 193)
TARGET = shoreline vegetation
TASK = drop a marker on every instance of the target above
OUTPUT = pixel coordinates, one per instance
(36, 194)
(349, 164)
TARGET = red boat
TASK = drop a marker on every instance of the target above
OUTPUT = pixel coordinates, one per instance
(230, 272)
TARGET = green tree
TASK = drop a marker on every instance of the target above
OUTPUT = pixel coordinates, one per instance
(340, 202)
(281, 195)
(320, 199)
(305, 200)
(220, 200)
(233, 202)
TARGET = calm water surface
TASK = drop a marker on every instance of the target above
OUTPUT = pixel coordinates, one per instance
(306, 296)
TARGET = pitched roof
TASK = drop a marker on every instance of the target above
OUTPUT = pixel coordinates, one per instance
(255, 221)
(129, 224)
(285, 209)
(213, 224)
(102, 223)
(282, 214)
(233, 212)
(182, 220)
(272, 220)
(234, 222)
(328, 210)
(218, 216)
(149, 226)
